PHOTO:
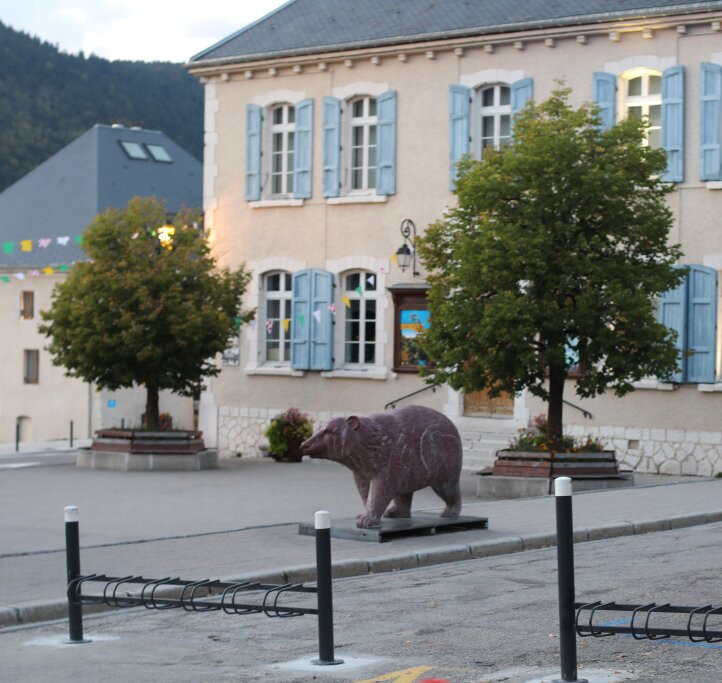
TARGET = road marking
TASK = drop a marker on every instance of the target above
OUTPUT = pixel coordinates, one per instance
(18, 465)
(402, 676)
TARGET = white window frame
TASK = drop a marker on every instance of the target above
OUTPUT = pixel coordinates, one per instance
(645, 100)
(287, 130)
(353, 295)
(497, 110)
(284, 296)
(366, 122)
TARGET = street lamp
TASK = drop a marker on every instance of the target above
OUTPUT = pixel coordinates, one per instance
(405, 254)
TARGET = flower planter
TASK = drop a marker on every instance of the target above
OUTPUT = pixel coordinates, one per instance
(135, 449)
(293, 452)
(550, 464)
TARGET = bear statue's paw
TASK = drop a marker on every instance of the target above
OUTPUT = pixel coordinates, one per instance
(451, 511)
(398, 513)
(368, 521)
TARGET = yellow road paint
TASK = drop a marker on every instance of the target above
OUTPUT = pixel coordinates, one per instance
(403, 676)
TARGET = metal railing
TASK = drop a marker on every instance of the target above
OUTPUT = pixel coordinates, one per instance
(433, 388)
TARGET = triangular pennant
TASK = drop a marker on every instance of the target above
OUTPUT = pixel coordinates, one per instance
(359, 291)
(34, 273)
(317, 315)
(269, 326)
(78, 239)
(346, 301)
(44, 242)
(63, 241)
(286, 324)
(4, 278)
(48, 270)
(301, 320)
(394, 259)
(26, 245)
(371, 280)
(332, 308)
(8, 247)
(20, 276)
(63, 268)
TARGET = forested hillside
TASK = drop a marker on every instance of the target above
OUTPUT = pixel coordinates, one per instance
(48, 98)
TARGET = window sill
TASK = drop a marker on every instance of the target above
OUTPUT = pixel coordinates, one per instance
(275, 203)
(358, 199)
(710, 388)
(279, 370)
(370, 373)
(714, 184)
(654, 384)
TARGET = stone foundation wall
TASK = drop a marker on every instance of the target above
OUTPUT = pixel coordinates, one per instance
(660, 451)
(240, 430)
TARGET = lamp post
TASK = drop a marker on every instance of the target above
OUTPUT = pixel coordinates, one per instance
(405, 254)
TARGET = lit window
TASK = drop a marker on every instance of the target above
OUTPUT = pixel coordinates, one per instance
(27, 305)
(494, 117)
(277, 295)
(133, 149)
(363, 144)
(360, 318)
(283, 127)
(31, 362)
(641, 93)
(159, 153)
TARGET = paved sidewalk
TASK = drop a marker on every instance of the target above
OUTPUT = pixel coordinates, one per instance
(241, 521)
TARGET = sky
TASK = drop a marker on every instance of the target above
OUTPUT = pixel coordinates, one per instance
(148, 30)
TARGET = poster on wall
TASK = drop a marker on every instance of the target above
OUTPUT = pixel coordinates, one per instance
(412, 322)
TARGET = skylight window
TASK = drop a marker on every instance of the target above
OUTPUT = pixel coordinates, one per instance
(133, 149)
(159, 153)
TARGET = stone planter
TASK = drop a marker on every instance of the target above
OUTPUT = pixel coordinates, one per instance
(134, 449)
(292, 454)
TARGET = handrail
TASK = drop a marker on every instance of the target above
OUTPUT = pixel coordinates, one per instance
(413, 393)
(584, 412)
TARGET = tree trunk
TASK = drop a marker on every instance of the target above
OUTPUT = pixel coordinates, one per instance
(152, 420)
(554, 412)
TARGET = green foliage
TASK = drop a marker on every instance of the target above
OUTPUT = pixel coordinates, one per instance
(536, 437)
(286, 427)
(137, 313)
(558, 244)
(49, 98)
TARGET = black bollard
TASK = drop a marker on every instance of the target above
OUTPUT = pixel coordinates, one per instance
(71, 433)
(72, 555)
(565, 565)
(322, 523)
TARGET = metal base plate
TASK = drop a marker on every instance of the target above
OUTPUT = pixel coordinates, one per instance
(423, 523)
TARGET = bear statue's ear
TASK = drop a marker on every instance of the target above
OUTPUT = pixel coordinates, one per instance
(353, 422)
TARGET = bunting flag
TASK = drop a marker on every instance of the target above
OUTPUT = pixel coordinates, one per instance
(26, 245)
(4, 278)
(8, 247)
(332, 308)
(371, 280)
(63, 241)
(78, 239)
(359, 291)
(394, 259)
(253, 324)
(317, 315)
(48, 270)
(286, 322)
(269, 326)
(346, 301)
(20, 276)
(301, 320)
(44, 243)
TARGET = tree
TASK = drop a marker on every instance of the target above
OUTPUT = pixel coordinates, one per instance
(553, 257)
(144, 310)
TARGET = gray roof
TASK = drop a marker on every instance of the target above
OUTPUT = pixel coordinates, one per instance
(61, 196)
(309, 26)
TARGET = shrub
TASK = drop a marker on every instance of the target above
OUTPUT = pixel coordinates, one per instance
(285, 428)
(536, 437)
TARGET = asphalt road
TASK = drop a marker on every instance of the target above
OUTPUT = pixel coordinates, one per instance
(479, 621)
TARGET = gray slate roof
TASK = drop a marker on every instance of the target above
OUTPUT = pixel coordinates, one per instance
(309, 26)
(61, 197)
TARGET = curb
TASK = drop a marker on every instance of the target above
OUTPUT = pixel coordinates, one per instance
(33, 612)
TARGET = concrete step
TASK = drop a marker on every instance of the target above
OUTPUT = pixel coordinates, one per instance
(482, 437)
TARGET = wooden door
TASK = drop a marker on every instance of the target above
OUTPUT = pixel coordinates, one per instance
(480, 403)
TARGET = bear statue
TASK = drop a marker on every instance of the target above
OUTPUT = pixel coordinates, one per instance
(392, 455)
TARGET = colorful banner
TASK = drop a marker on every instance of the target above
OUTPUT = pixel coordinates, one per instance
(346, 301)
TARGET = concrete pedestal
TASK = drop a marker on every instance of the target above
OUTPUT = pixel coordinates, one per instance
(110, 460)
(499, 486)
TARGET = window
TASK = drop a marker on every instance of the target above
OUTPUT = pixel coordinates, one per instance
(691, 311)
(641, 98)
(27, 305)
(359, 299)
(279, 145)
(133, 149)
(31, 360)
(277, 295)
(658, 97)
(359, 145)
(363, 144)
(282, 147)
(494, 117)
(483, 118)
(159, 153)
(411, 317)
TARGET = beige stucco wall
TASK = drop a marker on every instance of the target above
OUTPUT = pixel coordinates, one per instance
(322, 233)
(48, 406)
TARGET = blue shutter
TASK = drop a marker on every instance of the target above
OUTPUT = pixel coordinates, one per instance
(605, 97)
(303, 150)
(711, 123)
(701, 323)
(459, 127)
(253, 152)
(673, 123)
(300, 320)
(673, 314)
(386, 117)
(321, 321)
(521, 92)
(331, 146)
